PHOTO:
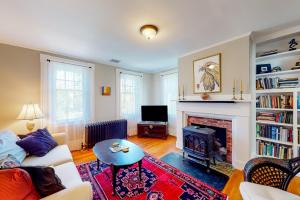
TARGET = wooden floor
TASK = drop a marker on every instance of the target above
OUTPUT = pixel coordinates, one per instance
(159, 148)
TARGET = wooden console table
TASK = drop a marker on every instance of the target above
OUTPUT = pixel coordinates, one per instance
(153, 129)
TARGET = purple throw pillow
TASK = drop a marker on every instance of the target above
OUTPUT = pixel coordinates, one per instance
(38, 143)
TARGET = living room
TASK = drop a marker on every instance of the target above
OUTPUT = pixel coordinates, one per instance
(149, 100)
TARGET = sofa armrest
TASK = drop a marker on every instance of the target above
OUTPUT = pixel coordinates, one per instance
(60, 138)
(79, 192)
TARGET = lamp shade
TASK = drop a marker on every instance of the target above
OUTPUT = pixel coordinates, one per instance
(30, 112)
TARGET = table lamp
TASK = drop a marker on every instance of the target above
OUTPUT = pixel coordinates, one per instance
(30, 112)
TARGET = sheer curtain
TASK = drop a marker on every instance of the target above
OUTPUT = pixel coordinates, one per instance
(169, 96)
(130, 99)
(67, 99)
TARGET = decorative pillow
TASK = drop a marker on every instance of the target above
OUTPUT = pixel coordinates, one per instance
(45, 180)
(38, 143)
(9, 162)
(16, 184)
(8, 146)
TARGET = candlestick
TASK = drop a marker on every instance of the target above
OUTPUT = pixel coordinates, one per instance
(182, 92)
(233, 91)
(241, 97)
(178, 92)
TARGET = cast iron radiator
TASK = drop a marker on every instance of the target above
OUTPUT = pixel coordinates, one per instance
(99, 131)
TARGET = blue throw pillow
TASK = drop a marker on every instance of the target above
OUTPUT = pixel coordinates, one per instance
(38, 143)
(8, 145)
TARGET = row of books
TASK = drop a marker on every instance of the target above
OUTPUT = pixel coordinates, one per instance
(280, 117)
(273, 83)
(274, 101)
(274, 150)
(275, 132)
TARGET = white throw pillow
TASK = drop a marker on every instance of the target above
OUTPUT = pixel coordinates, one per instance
(8, 146)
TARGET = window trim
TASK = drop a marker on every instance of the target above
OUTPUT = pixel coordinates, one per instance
(44, 64)
(118, 72)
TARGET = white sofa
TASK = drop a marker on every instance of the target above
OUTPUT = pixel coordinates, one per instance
(61, 160)
(252, 191)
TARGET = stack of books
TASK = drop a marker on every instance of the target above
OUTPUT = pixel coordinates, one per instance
(274, 83)
(288, 83)
(274, 150)
(280, 117)
(274, 132)
(275, 101)
(267, 83)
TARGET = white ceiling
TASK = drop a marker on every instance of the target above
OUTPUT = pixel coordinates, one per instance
(99, 30)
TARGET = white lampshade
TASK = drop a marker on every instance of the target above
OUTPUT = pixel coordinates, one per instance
(30, 112)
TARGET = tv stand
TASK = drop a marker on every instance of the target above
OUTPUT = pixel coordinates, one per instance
(153, 129)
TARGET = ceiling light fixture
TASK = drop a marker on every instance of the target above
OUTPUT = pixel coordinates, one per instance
(149, 31)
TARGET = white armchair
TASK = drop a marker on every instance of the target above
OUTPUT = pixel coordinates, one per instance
(252, 191)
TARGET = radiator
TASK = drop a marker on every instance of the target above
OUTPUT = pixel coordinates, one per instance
(99, 131)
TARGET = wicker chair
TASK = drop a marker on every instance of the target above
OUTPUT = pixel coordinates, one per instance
(272, 172)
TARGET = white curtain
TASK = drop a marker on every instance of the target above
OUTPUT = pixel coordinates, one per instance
(131, 99)
(169, 96)
(67, 99)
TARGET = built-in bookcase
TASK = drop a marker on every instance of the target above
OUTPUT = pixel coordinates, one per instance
(277, 99)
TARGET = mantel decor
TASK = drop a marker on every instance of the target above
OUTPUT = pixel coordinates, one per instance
(207, 74)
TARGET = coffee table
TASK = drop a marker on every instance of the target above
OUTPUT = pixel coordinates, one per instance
(120, 159)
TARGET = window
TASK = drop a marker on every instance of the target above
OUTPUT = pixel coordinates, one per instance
(71, 92)
(67, 97)
(169, 95)
(130, 96)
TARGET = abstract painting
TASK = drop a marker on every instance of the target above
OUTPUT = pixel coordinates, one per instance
(106, 91)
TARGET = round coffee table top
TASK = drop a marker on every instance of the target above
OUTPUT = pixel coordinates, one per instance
(104, 154)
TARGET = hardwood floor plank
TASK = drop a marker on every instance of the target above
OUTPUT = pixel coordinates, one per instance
(159, 147)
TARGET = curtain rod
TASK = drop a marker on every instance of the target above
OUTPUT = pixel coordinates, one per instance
(133, 74)
(48, 60)
(168, 73)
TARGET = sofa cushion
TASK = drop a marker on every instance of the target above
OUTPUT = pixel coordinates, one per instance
(59, 155)
(45, 180)
(16, 184)
(8, 146)
(68, 174)
(38, 143)
(9, 162)
(252, 191)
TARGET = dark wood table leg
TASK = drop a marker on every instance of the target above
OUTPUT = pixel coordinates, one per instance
(114, 171)
(140, 169)
(98, 164)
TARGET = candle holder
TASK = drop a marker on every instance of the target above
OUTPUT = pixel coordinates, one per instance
(233, 94)
(241, 97)
(183, 93)
(179, 97)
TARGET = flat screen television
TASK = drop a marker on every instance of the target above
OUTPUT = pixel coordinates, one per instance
(155, 113)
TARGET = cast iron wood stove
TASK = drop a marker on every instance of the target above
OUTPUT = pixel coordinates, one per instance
(198, 143)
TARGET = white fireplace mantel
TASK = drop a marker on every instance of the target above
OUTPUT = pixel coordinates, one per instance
(238, 113)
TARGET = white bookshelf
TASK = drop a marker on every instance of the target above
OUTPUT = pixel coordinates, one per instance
(275, 141)
(278, 55)
(274, 109)
(284, 59)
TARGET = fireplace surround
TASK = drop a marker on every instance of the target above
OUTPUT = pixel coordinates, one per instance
(235, 117)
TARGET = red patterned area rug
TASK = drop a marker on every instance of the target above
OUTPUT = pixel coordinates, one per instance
(160, 181)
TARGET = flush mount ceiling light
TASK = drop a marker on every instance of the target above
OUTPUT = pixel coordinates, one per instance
(149, 31)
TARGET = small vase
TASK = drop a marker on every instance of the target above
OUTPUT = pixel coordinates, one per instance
(205, 96)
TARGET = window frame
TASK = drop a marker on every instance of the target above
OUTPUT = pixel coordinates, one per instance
(44, 59)
(118, 88)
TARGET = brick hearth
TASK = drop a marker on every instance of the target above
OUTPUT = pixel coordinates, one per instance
(227, 124)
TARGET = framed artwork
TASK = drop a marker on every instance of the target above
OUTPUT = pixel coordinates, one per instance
(207, 74)
(106, 90)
